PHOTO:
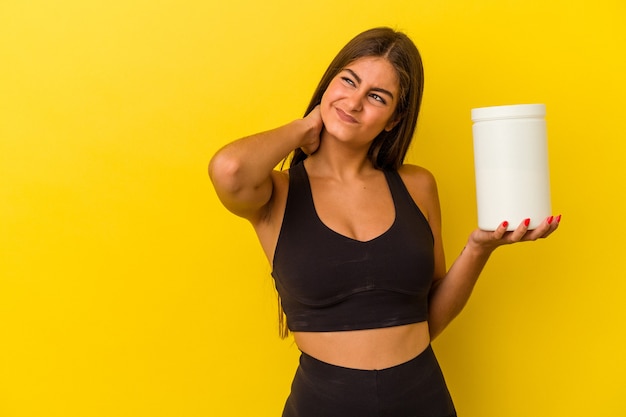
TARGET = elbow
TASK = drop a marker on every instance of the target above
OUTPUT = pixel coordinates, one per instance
(225, 172)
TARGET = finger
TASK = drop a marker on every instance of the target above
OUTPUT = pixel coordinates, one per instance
(554, 224)
(538, 232)
(543, 230)
(519, 233)
(500, 230)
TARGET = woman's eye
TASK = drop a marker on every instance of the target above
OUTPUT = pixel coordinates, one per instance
(378, 98)
(348, 81)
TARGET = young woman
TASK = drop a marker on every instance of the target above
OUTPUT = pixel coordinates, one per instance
(354, 237)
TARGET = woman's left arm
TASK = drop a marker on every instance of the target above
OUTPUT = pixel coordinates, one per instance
(450, 293)
(452, 289)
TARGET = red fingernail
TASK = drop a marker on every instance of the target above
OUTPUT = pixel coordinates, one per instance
(505, 224)
(526, 222)
(550, 219)
(558, 218)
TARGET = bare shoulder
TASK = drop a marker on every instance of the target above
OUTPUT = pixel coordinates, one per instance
(422, 186)
(417, 178)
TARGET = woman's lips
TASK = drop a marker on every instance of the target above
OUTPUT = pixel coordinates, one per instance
(345, 116)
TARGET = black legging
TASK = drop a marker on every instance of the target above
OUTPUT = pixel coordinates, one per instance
(412, 389)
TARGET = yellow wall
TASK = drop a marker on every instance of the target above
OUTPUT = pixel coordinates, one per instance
(127, 290)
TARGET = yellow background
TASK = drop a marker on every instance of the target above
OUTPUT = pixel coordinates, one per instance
(127, 290)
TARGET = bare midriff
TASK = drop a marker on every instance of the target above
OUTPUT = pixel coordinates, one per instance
(366, 349)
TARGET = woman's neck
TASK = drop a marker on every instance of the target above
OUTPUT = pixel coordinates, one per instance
(336, 159)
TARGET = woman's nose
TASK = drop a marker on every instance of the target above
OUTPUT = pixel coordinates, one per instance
(355, 100)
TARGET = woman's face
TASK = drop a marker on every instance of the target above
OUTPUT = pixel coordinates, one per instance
(361, 100)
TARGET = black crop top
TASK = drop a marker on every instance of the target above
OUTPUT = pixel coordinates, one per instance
(330, 282)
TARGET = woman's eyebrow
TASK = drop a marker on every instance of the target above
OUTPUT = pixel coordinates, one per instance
(377, 89)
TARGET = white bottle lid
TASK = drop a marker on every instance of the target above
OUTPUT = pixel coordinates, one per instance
(482, 114)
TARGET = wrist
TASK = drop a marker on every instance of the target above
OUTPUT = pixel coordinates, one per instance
(476, 250)
(308, 126)
(307, 134)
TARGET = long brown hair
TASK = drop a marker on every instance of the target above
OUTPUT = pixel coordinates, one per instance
(389, 148)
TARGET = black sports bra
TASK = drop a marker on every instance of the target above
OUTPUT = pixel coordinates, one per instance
(330, 282)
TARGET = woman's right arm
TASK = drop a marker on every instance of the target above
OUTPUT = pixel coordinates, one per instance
(242, 172)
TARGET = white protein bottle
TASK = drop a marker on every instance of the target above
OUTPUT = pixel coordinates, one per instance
(511, 165)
